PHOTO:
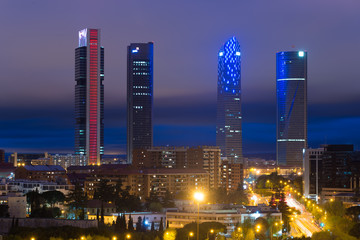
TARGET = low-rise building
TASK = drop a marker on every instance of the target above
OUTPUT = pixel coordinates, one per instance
(25, 186)
(16, 203)
(50, 173)
(95, 205)
(229, 217)
(150, 217)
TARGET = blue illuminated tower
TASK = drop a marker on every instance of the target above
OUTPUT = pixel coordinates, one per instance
(291, 94)
(228, 120)
(139, 97)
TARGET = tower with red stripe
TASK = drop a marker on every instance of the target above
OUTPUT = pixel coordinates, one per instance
(89, 96)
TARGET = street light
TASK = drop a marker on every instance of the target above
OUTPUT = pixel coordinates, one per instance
(198, 196)
(114, 238)
(239, 232)
(211, 232)
(82, 238)
(32, 238)
(128, 236)
(191, 234)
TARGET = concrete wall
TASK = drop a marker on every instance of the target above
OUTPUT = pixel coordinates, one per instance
(5, 223)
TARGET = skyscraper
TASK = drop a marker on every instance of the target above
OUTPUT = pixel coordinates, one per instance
(89, 96)
(139, 97)
(291, 94)
(228, 123)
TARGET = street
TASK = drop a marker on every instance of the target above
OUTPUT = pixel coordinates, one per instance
(302, 223)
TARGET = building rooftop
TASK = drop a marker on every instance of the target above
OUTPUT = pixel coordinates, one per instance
(44, 168)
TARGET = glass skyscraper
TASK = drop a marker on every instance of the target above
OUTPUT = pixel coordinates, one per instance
(291, 94)
(139, 97)
(89, 96)
(228, 120)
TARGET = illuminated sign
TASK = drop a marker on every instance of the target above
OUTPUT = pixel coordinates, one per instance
(135, 50)
(82, 38)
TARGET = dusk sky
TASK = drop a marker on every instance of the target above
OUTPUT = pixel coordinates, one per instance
(38, 39)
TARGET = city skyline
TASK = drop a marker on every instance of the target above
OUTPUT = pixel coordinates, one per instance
(35, 118)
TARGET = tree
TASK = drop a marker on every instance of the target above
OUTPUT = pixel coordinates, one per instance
(161, 226)
(204, 230)
(155, 207)
(35, 199)
(105, 191)
(77, 200)
(322, 236)
(335, 208)
(130, 224)
(128, 202)
(355, 230)
(354, 213)
(168, 200)
(138, 224)
(169, 234)
(152, 226)
(118, 224)
(153, 203)
(123, 223)
(250, 235)
(238, 196)
(4, 211)
(219, 195)
(53, 197)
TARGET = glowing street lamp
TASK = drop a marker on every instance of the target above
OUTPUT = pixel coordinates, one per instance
(114, 238)
(191, 234)
(199, 197)
(128, 236)
(82, 238)
(211, 232)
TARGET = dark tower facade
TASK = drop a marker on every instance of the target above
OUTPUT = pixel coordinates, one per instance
(291, 94)
(229, 116)
(2, 155)
(89, 96)
(139, 97)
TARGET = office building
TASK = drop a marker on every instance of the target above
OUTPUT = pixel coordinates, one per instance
(228, 120)
(331, 171)
(89, 96)
(336, 166)
(291, 94)
(312, 172)
(139, 97)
